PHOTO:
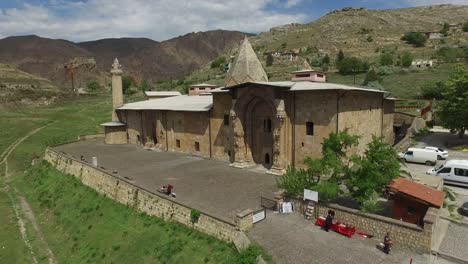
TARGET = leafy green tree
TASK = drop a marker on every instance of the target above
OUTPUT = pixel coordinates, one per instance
(93, 86)
(218, 62)
(371, 76)
(340, 57)
(284, 45)
(386, 59)
(453, 110)
(465, 26)
(445, 29)
(144, 86)
(433, 91)
(375, 169)
(352, 65)
(326, 59)
(127, 83)
(269, 60)
(418, 39)
(406, 59)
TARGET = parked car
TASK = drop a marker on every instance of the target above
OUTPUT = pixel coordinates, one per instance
(441, 154)
(419, 155)
(453, 171)
(463, 209)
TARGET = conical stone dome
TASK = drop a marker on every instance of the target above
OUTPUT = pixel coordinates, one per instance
(246, 67)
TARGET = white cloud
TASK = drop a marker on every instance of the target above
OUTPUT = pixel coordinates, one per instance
(156, 19)
(291, 3)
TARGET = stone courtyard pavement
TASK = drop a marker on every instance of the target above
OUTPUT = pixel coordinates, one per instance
(289, 238)
(209, 185)
(455, 242)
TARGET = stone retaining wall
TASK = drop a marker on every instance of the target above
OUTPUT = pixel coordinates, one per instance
(404, 234)
(155, 204)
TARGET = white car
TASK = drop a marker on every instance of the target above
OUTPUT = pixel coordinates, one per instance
(441, 154)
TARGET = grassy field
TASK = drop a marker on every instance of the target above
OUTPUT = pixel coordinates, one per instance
(79, 225)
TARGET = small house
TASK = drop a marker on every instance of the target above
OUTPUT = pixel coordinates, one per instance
(411, 200)
(201, 88)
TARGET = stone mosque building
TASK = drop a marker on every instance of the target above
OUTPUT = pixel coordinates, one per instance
(252, 121)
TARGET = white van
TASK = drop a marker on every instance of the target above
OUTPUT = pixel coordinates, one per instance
(418, 155)
(453, 171)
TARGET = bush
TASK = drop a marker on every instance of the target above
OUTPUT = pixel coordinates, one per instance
(465, 27)
(450, 54)
(386, 59)
(127, 83)
(433, 91)
(269, 60)
(194, 215)
(250, 254)
(294, 181)
(371, 206)
(384, 70)
(370, 39)
(218, 62)
(327, 189)
(93, 86)
(371, 76)
(406, 59)
(418, 39)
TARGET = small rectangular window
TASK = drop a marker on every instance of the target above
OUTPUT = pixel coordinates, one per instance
(226, 120)
(461, 172)
(319, 75)
(310, 128)
(177, 142)
(267, 125)
(197, 146)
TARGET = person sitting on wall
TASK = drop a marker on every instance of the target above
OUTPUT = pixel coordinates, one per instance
(168, 190)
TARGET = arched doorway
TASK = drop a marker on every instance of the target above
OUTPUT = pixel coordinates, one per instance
(261, 132)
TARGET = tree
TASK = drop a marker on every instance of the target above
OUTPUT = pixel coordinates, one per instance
(144, 86)
(371, 76)
(218, 62)
(406, 59)
(127, 83)
(269, 60)
(352, 65)
(433, 91)
(340, 57)
(386, 59)
(453, 110)
(418, 39)
(326, 59)
(465, 26)
(445, 29)
(375, 169)
(93, 86)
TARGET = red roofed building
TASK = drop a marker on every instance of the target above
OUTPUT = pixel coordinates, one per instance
(411, 200)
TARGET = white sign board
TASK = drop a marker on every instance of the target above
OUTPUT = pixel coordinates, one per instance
(259, 216)
(310, 195)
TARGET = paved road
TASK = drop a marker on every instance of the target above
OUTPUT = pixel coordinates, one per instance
(292, 239)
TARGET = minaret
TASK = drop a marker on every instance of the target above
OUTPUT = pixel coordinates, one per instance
(117, 94)
(246, 67)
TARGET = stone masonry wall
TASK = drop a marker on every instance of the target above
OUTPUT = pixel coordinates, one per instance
(403, 234)
(138, 198)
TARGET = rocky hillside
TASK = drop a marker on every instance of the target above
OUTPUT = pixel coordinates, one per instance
(17, 85)
(360, 32)
(142, 58)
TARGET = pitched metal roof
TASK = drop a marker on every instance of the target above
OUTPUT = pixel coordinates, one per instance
(419, 191)
(246, 67)
(162, 93)
(176, 103)
(309, 86)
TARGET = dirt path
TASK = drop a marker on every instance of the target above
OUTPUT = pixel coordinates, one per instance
(23, 211)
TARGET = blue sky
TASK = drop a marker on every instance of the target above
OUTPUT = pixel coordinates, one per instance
(81, 20)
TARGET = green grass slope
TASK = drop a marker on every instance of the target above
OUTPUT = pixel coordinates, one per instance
(80, 225)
